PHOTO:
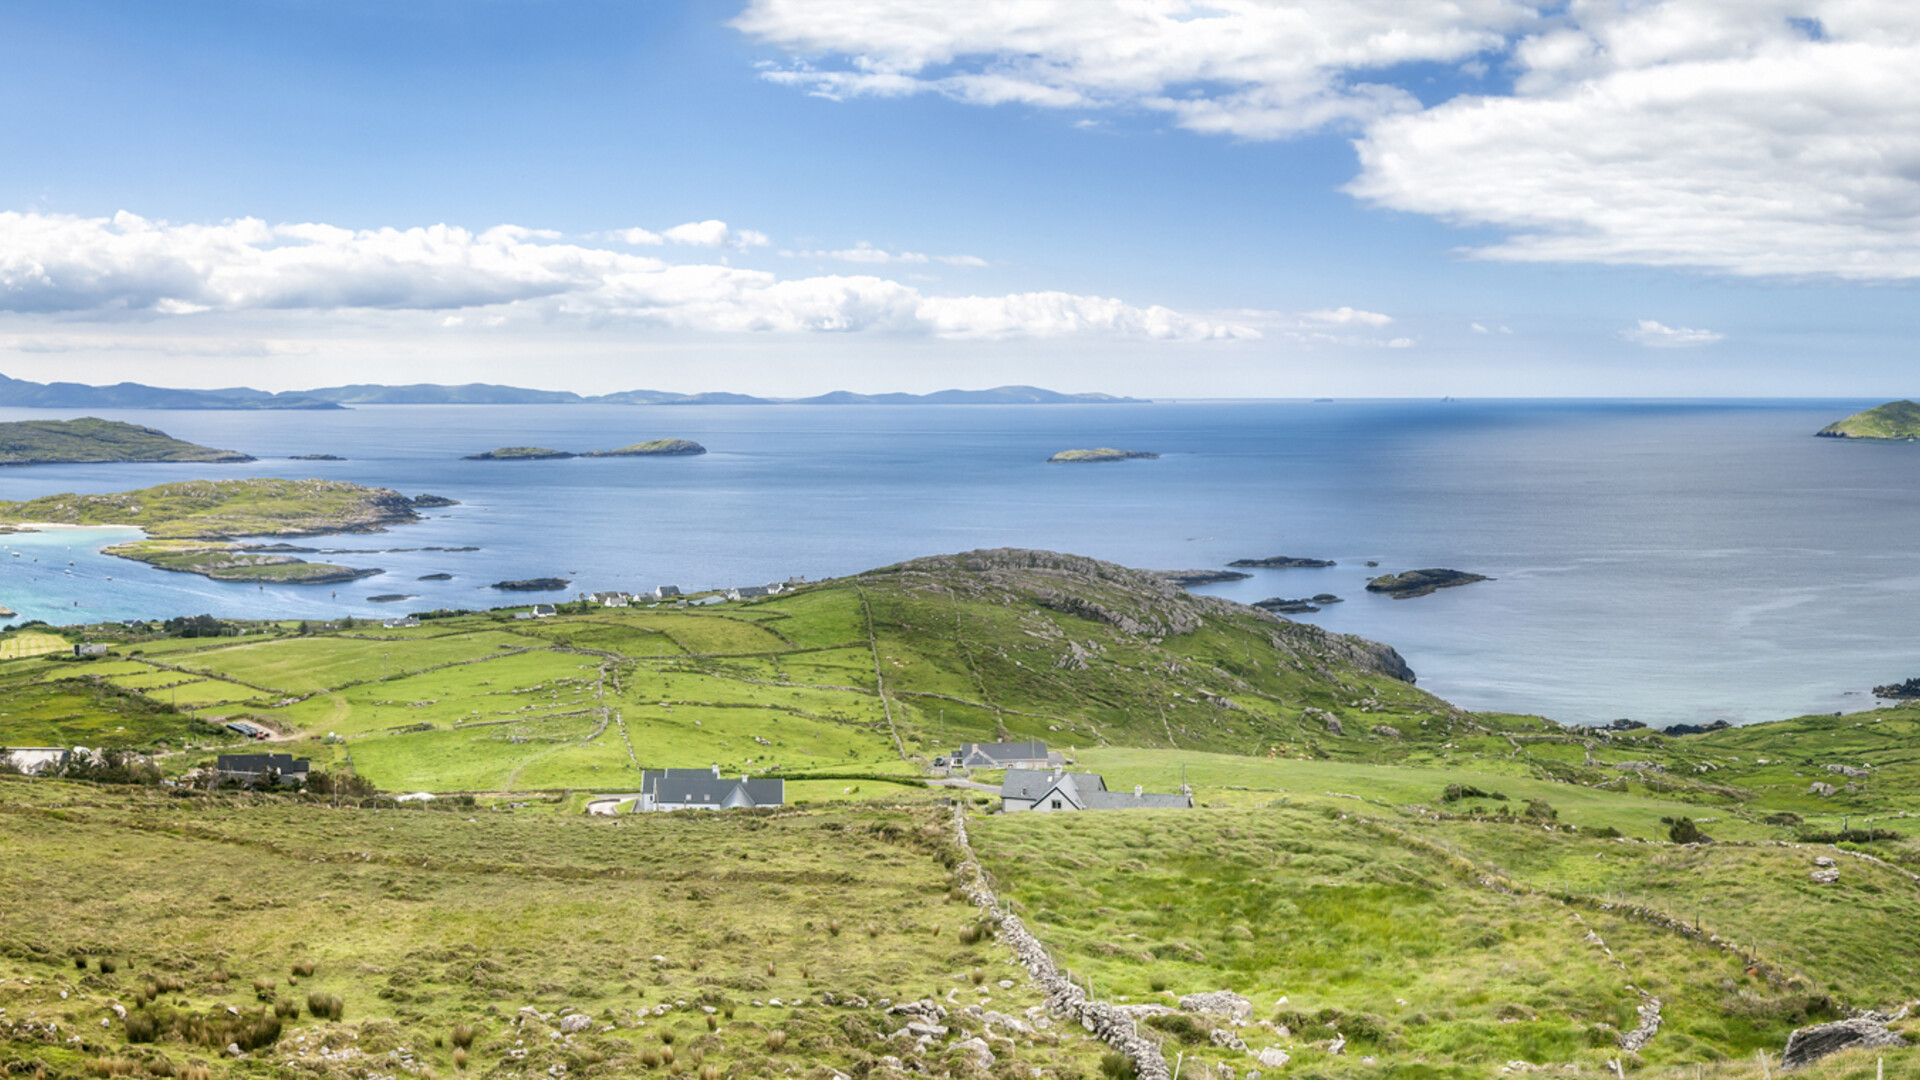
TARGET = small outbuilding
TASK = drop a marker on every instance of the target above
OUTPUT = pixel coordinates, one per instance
(90, 648)
(666, 592)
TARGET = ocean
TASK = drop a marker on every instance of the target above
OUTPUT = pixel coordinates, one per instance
(1668, 562)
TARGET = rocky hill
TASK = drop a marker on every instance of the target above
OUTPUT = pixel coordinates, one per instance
(91, 440)
(1894, 420)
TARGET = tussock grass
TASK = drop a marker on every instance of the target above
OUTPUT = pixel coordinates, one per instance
(326, 1006)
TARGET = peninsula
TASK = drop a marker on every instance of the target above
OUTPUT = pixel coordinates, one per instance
(1894, 421)
(1100, 453)
(90, 440)
(190, 525)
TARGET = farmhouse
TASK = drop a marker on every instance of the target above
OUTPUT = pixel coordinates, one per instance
(612, 599)
(89, 649)
(666, 592)
(1016, 755)
(402, 623)
(254, 768)
(33, 760)
(1048, 790)
(705, 789)
(750, 592)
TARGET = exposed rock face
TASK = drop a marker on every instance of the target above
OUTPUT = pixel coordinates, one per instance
(1810, 1044)
(1272, 1058)
(1386, 731)
(1849, 771)
(1139, 603)
(1219, 1003)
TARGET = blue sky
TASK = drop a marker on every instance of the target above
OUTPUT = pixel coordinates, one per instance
(1249, 198)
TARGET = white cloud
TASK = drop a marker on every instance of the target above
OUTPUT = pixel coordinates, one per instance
(1747, 137)
(1478, 329)
(864, 252)
(711, 233)
(1250, 68)
(1660, 336)
(1712, 134)
(1347, 316)
(68, 266)
(639, 237)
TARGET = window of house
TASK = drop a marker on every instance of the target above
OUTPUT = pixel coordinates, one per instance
(1056, 804)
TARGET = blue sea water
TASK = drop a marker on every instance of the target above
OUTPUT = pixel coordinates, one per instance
(1665, 561)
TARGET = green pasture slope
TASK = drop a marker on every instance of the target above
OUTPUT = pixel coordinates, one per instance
(1366, 860)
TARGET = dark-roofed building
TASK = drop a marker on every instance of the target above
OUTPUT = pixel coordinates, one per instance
(1005, 755)
(256, 768)
(1049, 790)
(705, 789)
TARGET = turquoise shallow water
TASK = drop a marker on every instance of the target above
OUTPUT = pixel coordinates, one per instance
(1669, 562)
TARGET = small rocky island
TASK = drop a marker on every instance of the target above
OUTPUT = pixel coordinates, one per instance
(1187, 579)
(315, 457)
(1896, 421)
(1099, 453)
(653, 448)
(90, 440)
(1304, 606)
(519, 453)
(1284, 562)
(1412, 583)
(538, 584)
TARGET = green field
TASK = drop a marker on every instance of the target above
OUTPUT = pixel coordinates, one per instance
(1449, 892)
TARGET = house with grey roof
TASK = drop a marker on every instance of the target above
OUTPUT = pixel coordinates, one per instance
(257, 768)
(666, 592)
(1052, 790)
(705, 789)
(1005, 755)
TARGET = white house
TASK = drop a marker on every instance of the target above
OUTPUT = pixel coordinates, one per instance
(612, 599)
(666, 592)
(1054, 790)
(705, 789)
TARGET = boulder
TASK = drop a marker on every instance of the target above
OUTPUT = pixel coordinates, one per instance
(1225, 1039)
(1219, 1003)
(1333, 726)
(1810, 1044)
(1824, 861)
(1272, 1058)
(1386, 731)
(976, 1049)
(575, 1024)
(1848, 771)
(1821, 789)
(1827, 876)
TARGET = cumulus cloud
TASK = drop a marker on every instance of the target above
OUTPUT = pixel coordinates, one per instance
(864, 252)
(712, 233)
(1747, 137)
(639, 237)
(1660, 336)
(53, 264)
(1728, 136)
(1347, 316)
(1249, 68)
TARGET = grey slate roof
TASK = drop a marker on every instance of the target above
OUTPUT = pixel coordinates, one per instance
(701, 787)
(257, 764)
(1082, 791)
(1030, 784)
(988, 754)
(1127, 800)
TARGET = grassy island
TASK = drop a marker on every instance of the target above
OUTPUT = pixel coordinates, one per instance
(1102, 453)
(90, 440)
(1896, 420)
(188, 524)
(519, 453)
(1391, 885)
(653, 448)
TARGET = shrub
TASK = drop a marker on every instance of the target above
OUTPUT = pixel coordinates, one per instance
(1541, 809)
(463, 1035)
(459, 1058)
(263, 989)
(650, 1058)
(666, 1036)
(1785, 817)
(713, 1022)
(776, 1041)
(142, 1026)
(220, 976)
(1116, 1066)
(1157, 984)
(1181, 1026)
(1682, 830)
(80, 962)
(326, 1006)
(168, 984)
(977, 976)
(1605, 832)
(304, 969)
(666, 1054)
(108, 965)
(1456, 792)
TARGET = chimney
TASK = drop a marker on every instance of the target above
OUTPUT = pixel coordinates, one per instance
(716, 771)
(1138, 791)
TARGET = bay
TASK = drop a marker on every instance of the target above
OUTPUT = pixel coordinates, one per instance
(1670, 562)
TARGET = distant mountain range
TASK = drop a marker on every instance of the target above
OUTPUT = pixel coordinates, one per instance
(19, 393)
